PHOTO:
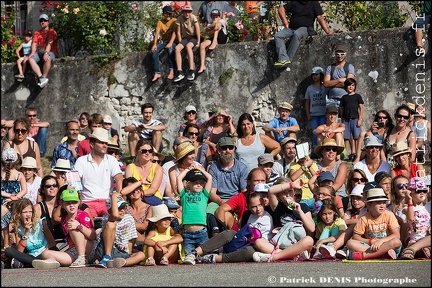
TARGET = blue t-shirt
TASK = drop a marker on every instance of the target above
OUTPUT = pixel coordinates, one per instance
(228, 182)
(277, 123)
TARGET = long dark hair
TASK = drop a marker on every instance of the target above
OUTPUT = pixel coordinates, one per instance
(245, 116)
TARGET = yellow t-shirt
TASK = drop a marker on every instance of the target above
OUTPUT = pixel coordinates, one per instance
(137, 175)
(306, 192)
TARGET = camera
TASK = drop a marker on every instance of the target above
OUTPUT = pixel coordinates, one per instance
(380, 124)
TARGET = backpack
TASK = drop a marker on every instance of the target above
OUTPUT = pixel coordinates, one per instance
(333, 67)
(289, 234)
(245, 237)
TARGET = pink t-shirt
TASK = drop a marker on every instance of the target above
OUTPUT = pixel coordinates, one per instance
(82, 217)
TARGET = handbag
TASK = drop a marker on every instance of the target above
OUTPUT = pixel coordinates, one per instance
(288, 235)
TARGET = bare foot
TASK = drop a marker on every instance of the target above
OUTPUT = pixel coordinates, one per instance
(171, 75)
(202, 70)
(212, 47)
(156, 77)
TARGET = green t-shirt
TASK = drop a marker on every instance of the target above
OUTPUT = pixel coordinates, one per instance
(194, 205)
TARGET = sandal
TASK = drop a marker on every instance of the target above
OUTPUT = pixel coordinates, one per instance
(150, 262)
(164, 261)
(407, 254)
(427, 252)
(79, 263)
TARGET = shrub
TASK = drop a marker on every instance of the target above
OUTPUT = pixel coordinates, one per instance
(10, 40)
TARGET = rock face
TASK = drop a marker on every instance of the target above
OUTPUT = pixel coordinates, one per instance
(239, 78)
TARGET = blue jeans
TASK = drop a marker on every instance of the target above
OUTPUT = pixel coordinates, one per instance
(171, 56)
(193, 239)
(41, 140)
(295, 37)
(315, 122)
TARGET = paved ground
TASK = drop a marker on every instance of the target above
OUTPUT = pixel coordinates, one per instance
(300, 274)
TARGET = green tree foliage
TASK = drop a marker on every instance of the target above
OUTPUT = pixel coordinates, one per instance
(10, 40)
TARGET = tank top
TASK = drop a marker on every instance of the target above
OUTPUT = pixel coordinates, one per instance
(55, 229)
(413, 170)
(138, 176)
(342, 190)
(249, 154)
(141, 219)
(388, 147)
(30, 151)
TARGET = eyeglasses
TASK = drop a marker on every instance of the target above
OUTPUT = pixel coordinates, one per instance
(355, 179)
(31, 115)
(22, 131)
(328, 149)
(340, 54)
(406, 117)
(83, 118)
(157, 161)
(42, 20)
(402, 186)
(112, 152)
(47, 186)
(191, 112)
(224, 148)
(382, 117)
(192, 133)
(144, 151)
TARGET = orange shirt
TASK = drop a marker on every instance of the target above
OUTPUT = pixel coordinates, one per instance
(251, 10)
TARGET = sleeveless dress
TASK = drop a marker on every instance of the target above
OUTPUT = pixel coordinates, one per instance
(10, 186)
(249, 154)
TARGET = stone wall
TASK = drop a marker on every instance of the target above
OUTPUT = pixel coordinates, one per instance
(239, 78)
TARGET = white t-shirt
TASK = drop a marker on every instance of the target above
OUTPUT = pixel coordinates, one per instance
(264, 223)
(33, 189)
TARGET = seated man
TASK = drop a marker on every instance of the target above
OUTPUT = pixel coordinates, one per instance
(284, 125)
(69, 148)
(38, 131)
(229, 174)
(146, 128)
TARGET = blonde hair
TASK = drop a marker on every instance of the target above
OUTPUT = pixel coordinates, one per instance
(17, 208)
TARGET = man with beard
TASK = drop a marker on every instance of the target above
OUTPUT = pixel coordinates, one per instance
(288, 149)
(229, 174)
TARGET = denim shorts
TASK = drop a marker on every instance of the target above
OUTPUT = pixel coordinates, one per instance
(192, 239)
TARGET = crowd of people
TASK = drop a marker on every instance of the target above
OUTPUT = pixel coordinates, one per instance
(299, 197)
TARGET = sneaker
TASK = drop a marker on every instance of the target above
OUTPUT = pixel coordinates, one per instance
(45, 264)
(341, 253)
(189, 259)
(191, 75)
(15, 264)
(317, 255)
(116, 263)
(327, 251)
(179, 77)
(352, 255)
(261, 257)
(43, 82)
(208, 259)
(282, 64)
(302, 256)
(103, 262)
(420, 51)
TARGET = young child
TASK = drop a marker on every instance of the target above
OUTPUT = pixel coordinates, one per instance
(78, 229)
(377, 232)
(29, 170)
(188, 36)
(217, 32)
(22, 60)
(176, 210)
(259, 218)
(329, 228)
(165, 28)
(327, 192)
(418, 215)
(13, 187)
(194, 198)
(162, 243)
(351, 113)
(315, 102)
(118, 236)
(33, 234)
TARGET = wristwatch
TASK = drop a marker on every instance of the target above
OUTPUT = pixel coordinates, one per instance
(79, 227)
(24, 237)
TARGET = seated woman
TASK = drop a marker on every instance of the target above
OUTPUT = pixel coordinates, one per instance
(250, 144)
(202, 150)
(148, 173)
(404, 166)
(331, 129)
(191, 117)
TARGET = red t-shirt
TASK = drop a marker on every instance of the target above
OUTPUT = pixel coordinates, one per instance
(43, 39)
(238, 204)
(84, 147)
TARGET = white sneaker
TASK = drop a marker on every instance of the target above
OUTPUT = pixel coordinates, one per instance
(327, 251)
(189, 259)
(116, 263)
(43, 82)
(261, 257)
(341, 253)
(302, 256)
(45, 264)
(317, 255)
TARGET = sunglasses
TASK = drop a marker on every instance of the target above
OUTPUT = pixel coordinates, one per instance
(382, 117)
(406, 117)
(47, 186)
(402, 186)
(355, 179)
(22, 131)
(144, 151)
(43, 20)
(191, 112)
(31, 115)
(420, 191)
(340, 54)
(224, 148)
(192, 133)
(328, 149)
(83, 118)
(157, 161)
(112, 152)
